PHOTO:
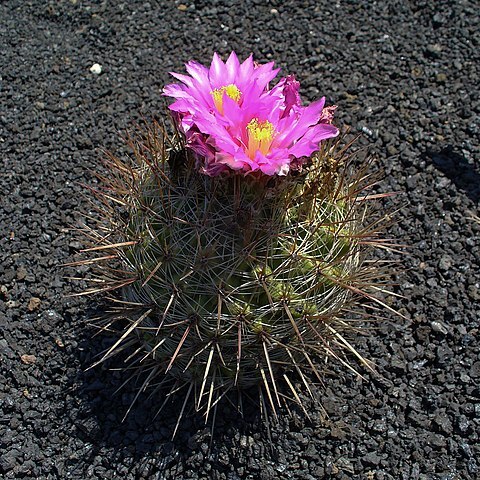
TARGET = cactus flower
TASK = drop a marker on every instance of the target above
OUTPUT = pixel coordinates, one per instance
(233, 121)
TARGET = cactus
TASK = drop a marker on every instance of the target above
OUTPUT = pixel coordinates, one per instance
(230, 281)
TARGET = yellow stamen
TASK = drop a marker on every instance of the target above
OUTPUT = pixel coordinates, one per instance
(231, 91)
(260, 136)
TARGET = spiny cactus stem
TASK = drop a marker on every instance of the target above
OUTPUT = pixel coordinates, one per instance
(239, 350)
(151, 353)
(270, 266)
(350, 347)
(125, 335)
(292, 321)
(295, 394)
(205, 375)
(210, 397)
(374, 299)
(187, 396)
(114, 246)
(267, 389)
(299, 371)
(165, 312)
(152, 273)
(179, 346)
(267, 292)
(108, 288)
(267, 357)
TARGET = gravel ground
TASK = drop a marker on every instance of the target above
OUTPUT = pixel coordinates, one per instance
(404, 73)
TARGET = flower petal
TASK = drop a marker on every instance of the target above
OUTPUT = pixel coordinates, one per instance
(293, 128)
(290, 93)
(310, 141)
(218, 72)
(233, 65)
(197, 70)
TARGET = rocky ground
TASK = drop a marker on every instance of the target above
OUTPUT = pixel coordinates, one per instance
(406, 74)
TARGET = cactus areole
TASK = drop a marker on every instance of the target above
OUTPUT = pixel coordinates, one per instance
(241, 241)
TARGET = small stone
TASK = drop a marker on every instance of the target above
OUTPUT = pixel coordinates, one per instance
(472, 466)
(438, 19)
(28, 359)
(417, 71)
(398, 363)
(475, 370)
(392, 150)
(337, 432)
(434, 50)
(444, 423)
(75, 245)
(7, 462)
(419, 420)
(96, 69)
(440, 327)
(34, 303)
(21, 273)
(473, 293)
(463, 424)
(457, 64)
(441, 78)
(436, 440)
(445, 263)
(274, 11)
(182, 7)
(465, 449)
(371, 459)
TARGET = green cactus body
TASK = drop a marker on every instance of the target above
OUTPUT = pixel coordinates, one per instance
(235, 280)
(229, 262)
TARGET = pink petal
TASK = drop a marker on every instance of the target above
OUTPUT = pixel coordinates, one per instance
(198, 143)
(233, 65)
(196, 70)
(290, 92)
(230, 160)
(265, 74)
(218, 72)
(275, 162)
(232, 112)
(175, 90)
(246, 70)
(309, 143)
(183, 78)
(295, 128)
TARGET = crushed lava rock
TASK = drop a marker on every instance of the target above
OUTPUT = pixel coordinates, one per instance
(404, 74)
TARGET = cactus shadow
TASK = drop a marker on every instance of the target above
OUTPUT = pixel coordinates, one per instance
(100, 401)
(465, 175)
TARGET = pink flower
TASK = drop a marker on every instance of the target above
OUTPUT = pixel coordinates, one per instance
(232, 121)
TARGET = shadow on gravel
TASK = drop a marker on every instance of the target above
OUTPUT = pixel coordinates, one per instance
(100, 401)
(456, 167)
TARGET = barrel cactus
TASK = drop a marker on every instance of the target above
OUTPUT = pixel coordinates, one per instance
(239, 244)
